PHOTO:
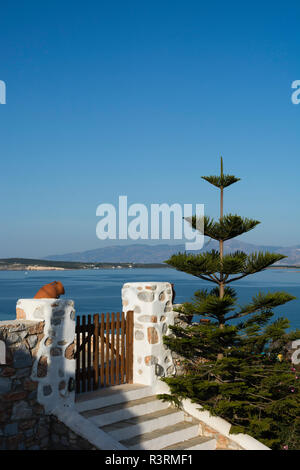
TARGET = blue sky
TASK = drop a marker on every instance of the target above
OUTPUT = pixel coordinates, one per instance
(140, 99)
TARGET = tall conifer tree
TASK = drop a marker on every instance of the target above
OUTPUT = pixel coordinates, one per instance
(231, 359)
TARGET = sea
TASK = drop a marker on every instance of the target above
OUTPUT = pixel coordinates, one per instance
(99, 290)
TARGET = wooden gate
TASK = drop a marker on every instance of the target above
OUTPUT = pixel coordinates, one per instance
(104, 350)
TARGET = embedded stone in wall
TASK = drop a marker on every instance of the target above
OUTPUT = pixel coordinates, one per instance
(30, 385)
(159, 370)
(32, 341)
(136, 309)
(170, 370)
(153, 287)
(21, 315)
(21, 410)
(61, 385)
(164, 328)
(139, 335)
(168, 307)
(22, 357)
(12, 338)
(162, 296)
(146, 296)
(7, 371)
(55, 351)
(5, 385)
(72, 315)
(152, 335)
(58, 313)
(42, 367)
(148, 318)
(47, 390)
(151, 360)
(48, 341)
(70, 351)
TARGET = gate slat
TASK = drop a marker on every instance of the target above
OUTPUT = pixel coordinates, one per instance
(102, 350)
(122, 347)
(89, 344)
(118, 348)
(107, 349)
(96, 352)
(112, 350)
(77, 355)
(83, 363)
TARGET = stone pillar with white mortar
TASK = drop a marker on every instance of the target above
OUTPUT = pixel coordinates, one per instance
(151, 303)
(54, 368)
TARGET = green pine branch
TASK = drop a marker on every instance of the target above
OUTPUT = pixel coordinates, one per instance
(262, 302)
(219, 182)
(229, 226)
(207, 265)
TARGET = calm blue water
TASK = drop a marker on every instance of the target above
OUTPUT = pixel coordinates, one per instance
(96, 291)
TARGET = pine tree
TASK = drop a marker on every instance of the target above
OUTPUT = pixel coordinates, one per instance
(235, 364)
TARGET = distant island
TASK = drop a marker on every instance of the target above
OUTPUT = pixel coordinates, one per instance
(148, 253)
(27, 264)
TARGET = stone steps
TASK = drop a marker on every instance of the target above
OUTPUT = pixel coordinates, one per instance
(123, 411)
(195, 443)
(136, 425)
(163, 437)
(135, 418)
(111, 396)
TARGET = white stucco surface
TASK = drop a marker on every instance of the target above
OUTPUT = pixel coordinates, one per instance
(58, 371)
(151, 303)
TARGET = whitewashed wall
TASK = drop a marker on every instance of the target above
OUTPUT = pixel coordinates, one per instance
(151, 303)
(54, 368)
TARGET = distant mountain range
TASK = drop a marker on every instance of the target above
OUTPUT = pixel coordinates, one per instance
(142, 253)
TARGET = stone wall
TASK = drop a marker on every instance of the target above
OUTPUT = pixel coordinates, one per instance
(151, 303)
(35, 376)
(63, 438)
(56, 384)
(23, 422)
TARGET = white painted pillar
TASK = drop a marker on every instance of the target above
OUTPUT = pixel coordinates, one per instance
(54, 367)
(151, 303)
